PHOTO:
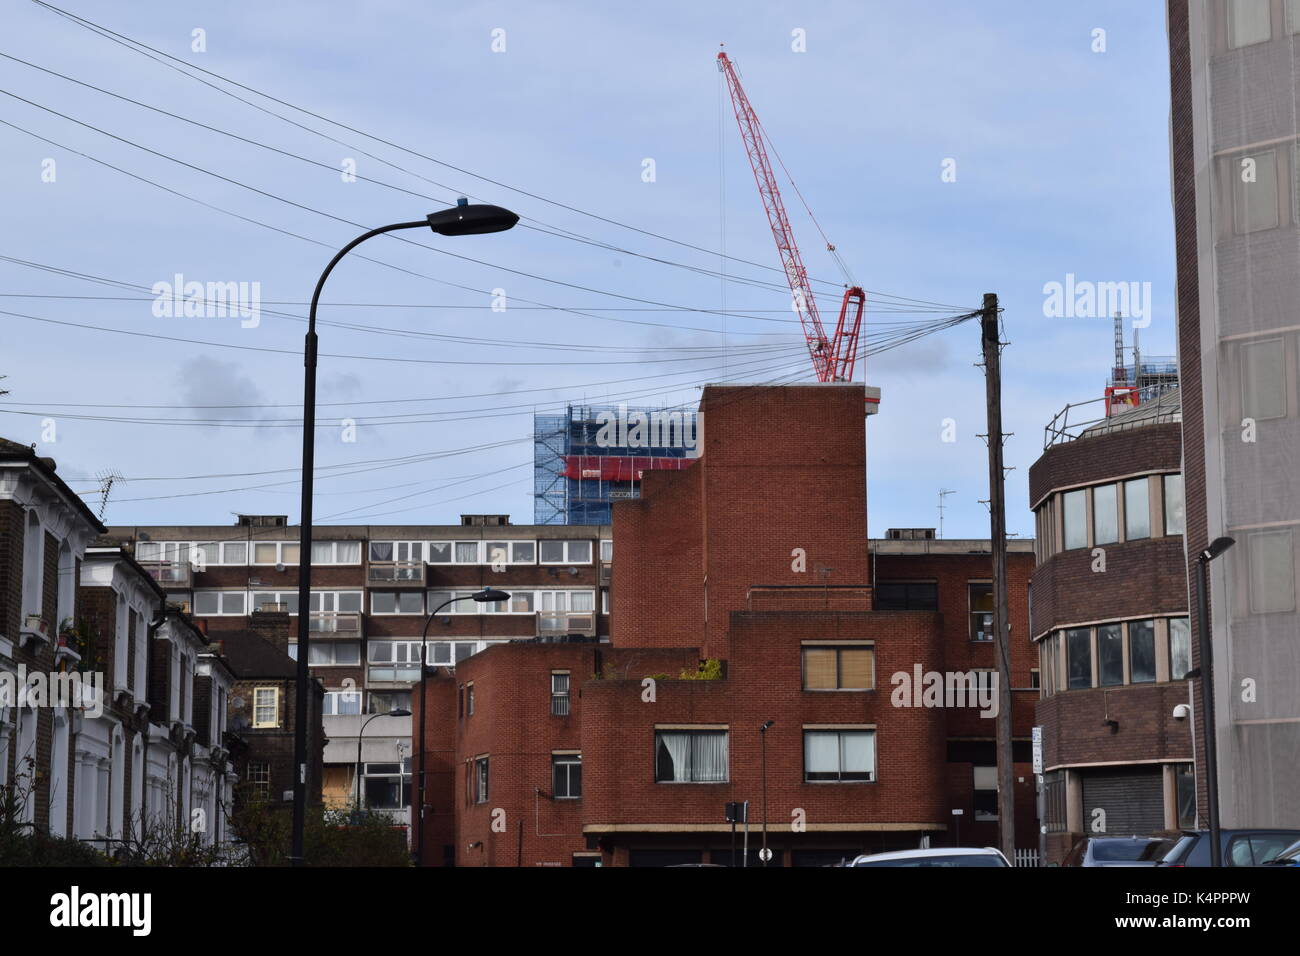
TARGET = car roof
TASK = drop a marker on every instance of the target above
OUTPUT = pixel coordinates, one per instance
(932, 851)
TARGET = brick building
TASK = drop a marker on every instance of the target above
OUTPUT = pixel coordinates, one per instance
(751, 570)
(1110, 621)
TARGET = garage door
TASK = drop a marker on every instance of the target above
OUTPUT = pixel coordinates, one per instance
(1132, 798)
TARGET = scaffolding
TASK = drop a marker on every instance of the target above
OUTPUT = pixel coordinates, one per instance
(594, 455)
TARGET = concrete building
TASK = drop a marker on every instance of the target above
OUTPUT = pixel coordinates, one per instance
(1236, 196)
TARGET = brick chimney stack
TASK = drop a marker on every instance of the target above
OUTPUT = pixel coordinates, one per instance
(273, 626)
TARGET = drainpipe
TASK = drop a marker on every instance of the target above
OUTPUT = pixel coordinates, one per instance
(160, 618)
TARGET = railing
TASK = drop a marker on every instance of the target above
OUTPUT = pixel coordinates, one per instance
(335, 624)
(396, 573)
(553, 623)
(170, 573)
(1070, 422)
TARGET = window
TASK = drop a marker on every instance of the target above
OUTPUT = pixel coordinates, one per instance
(266, 707)
(234, 552)
(1105, 516)
(275, 552)
(907, 596)
(335, 602)
(462, 602)
(566, 776)
(691, 756)
(560, 694)
(839, 756)
(1035, 679)
(1075, 506)
(850, 667)
(336, 552)
(396, 602)
(384, 701)
(981, 611)
(1137, 509)
(1293, 16)
(1254, 191)
(220, 603)
(259, 779)
(481, 780)
(1248, 22)
(469, 700)
(333, 653)
(1263, 379)
(1174, 512)
(387, 785)
(394, 660)
(273, 600)
(1110, 655)
(986, 793)
(342, 703)
(1141, 652)
(1185, 790)
(607, 549)
(1272, 572)
(1078, 657)
(565, 552)
(1180, 647)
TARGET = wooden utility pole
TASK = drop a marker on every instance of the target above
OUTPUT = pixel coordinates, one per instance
(998, 527)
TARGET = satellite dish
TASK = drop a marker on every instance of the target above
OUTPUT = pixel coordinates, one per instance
(279, 567)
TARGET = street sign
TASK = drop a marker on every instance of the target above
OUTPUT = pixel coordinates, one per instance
(1038, 749)
(765, 854)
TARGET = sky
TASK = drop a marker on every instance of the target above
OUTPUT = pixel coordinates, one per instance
(947, 149)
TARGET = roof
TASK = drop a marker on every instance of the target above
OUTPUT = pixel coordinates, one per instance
(1166, 407)
(105, 547)
(47, 466)
(250, 655)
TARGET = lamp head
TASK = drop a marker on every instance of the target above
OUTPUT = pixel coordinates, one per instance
(491, 596)
(471, 220)
(1216, 548)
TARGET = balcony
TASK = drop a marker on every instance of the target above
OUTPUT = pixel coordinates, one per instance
(331, 624)
(606, 573)
(170, 574)
(560, 623)
(398, 574)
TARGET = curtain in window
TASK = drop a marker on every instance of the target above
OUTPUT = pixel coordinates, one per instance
(821, 754)
(819, 668)
(322, 552)
(678, 746)
(855, 667)
(583, 601)
(348, 552)
(858, 760)
(381, 551)
(467, 552)
(709, 758)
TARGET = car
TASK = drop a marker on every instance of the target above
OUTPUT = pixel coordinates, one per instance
(1117, 851)
(1240, 847)
(1288, 857)
(936, 857)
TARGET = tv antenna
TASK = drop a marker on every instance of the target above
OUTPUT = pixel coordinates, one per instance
(943, 493)
(107, 478)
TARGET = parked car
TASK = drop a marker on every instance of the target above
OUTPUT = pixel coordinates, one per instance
(1117, 851)
(1288, 857)
(1240, 847)
(943, 856)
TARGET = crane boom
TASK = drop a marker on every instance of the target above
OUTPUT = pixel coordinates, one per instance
(833, 360)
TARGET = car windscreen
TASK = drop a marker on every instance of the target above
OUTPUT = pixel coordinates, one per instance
(972, 859)
(1109, 850)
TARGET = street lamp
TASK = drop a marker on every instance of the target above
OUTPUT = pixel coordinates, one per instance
(1216, 548)
(395, 712)
(461, 220)
(486, 596)
(765, 855)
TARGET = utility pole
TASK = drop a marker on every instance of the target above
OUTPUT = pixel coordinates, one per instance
(998, 523)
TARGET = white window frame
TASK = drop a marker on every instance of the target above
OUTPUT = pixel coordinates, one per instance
(334, 552)
(258, 693)
(329, 707)
(567, 543)
(279, 554)
(319, 646)
(221, 603)
(398, 595)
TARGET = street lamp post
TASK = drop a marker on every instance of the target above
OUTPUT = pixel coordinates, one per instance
(395, 712)
(762, 735)
(1216, 548)
(486, 596)
(461, 220)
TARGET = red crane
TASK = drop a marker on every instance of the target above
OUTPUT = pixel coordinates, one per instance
(833, 359)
